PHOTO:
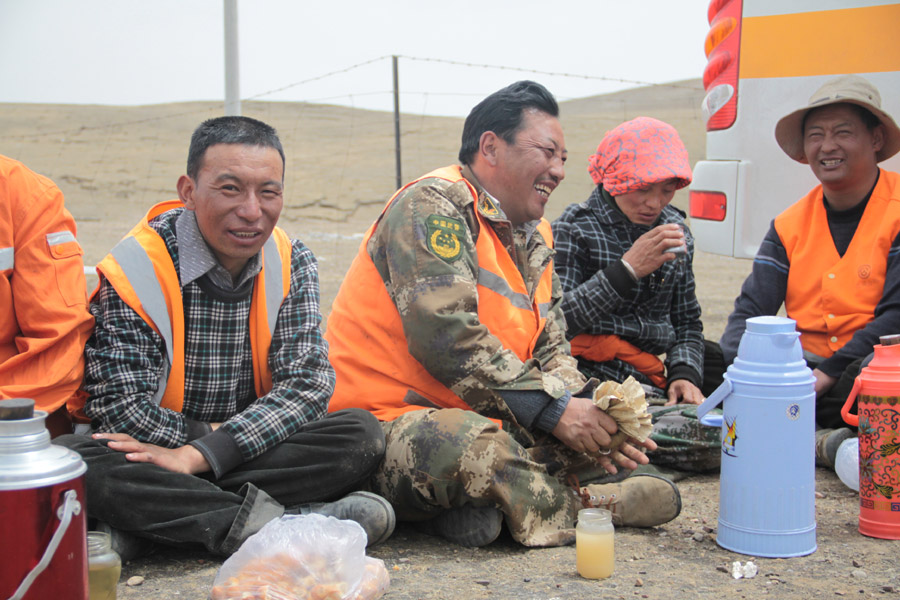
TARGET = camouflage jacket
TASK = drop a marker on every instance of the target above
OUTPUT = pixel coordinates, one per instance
(438, 303)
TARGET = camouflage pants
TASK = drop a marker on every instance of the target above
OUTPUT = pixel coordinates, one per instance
(684, 443)
(446, 458)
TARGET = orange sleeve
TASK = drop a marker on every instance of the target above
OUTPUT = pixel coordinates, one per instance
(43, 334)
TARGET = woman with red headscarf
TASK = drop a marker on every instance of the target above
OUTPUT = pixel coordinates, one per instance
(624, 260)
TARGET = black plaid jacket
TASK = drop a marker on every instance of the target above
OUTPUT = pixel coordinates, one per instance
(659, 314)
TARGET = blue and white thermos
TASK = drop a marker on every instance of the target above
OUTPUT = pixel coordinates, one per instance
(767, 481)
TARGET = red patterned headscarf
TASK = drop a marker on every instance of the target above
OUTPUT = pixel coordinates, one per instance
(639, 153)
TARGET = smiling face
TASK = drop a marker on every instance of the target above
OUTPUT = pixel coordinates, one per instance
(527, 170)
(841, 150)
(644, 206)
(237, 198)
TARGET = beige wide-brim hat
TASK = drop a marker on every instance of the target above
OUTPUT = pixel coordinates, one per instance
(851, 89)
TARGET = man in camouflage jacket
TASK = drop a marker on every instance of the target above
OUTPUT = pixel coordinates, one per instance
(475, 431)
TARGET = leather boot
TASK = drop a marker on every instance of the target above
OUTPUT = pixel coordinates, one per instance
(373, 513)
(827, 443)
(642, 500)
(471, 526)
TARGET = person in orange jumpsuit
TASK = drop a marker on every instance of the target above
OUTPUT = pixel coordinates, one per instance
(44, 321)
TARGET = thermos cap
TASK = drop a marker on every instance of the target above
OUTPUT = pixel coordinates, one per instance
(771, 324)
(889, 340)
(28, 459)
(14, 409)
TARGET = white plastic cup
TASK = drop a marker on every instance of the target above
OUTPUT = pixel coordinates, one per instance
(681, 250)
(846, 463)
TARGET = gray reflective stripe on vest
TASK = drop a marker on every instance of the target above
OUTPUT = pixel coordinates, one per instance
(417, 399)
(138, 269)
(7, 258)
(544, 307)
(274, 284)
(497, 284)
(60, 237)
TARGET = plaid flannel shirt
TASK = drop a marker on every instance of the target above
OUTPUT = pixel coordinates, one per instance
(125, 356)
(660, 314)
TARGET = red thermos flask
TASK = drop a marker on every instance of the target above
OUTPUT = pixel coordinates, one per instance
(42, 510)
(877, 394)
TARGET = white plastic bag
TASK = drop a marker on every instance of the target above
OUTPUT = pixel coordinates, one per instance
(846, 463)
(302, 557)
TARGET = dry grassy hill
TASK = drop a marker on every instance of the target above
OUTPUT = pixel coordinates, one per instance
(113, 162)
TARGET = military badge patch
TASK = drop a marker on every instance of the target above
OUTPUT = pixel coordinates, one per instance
(443, 237)
(487, 206)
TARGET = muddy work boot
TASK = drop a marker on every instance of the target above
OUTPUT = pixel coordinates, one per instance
(373, 513)
(642, 500)
(827, 443)
(470, 526)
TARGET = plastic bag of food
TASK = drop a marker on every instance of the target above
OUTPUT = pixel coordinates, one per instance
(302, 557)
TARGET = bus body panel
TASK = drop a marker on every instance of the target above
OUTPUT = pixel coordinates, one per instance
(767, 181)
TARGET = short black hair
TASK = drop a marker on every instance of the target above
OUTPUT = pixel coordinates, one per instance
(230, 130)
(868, 117)
(502, 113)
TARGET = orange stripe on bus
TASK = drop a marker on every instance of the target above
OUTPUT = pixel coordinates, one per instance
(828, 42)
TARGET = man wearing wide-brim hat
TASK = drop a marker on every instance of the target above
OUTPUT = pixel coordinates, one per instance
(833, 257)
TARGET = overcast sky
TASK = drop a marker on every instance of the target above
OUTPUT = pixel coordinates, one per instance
(154, 51)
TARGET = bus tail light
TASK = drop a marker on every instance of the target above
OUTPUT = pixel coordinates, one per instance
(720, 78)
(708, 205)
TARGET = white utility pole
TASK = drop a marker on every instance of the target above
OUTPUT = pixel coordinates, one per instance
(232, 60)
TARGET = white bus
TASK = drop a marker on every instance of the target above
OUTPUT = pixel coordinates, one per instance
(766, 58)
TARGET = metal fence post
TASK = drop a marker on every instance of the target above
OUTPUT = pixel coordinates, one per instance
(397, 122)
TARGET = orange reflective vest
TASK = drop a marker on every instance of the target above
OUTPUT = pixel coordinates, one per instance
(367, 345)
(159, 302)
(832, 296)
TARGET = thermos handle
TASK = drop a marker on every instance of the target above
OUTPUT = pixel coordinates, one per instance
(851, 419)
(71, 506)
(710, 403)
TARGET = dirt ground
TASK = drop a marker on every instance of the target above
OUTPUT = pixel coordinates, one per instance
(678, 560)
(112, 163)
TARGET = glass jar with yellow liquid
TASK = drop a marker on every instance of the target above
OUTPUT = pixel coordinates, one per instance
(594, 555)
(104, 566)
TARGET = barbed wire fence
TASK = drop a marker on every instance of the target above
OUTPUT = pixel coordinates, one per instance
(114, 162)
